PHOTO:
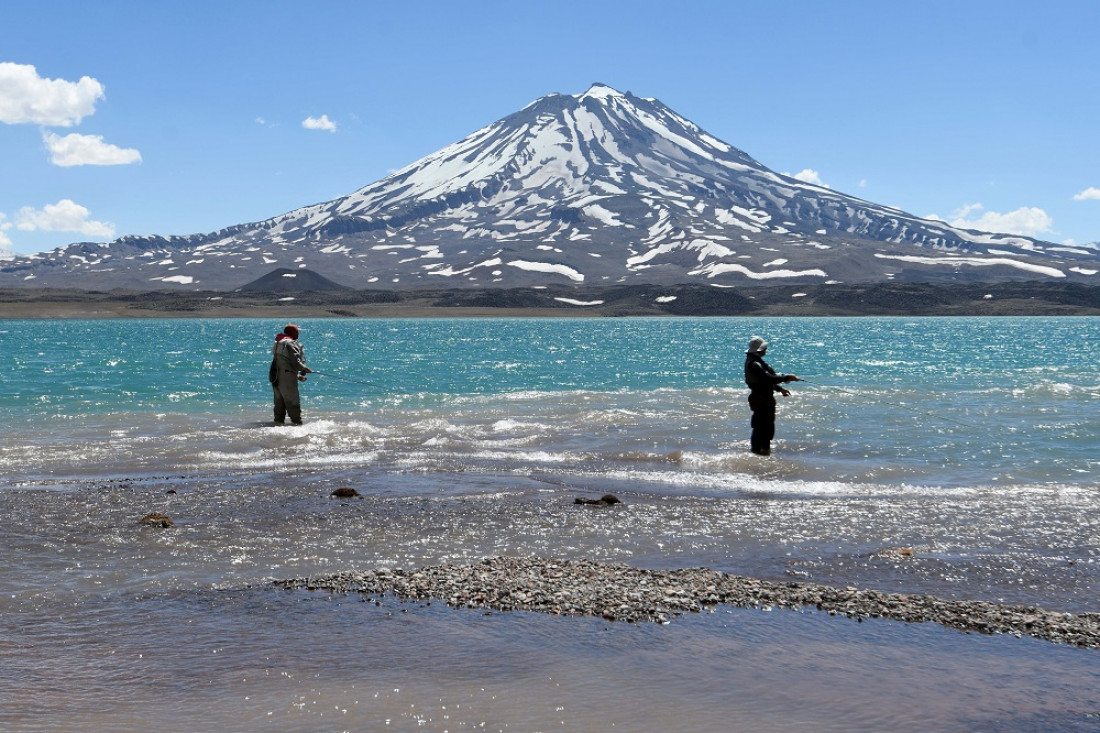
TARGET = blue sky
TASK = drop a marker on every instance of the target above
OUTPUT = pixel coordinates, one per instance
(135, 117)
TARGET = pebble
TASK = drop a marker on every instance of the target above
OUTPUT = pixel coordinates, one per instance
(620, 592)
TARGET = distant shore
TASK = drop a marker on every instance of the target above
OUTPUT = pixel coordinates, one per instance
(886, 299)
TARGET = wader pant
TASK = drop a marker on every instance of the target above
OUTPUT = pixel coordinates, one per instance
(762, 405)
(287, 401)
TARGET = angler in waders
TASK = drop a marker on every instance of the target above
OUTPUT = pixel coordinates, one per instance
(763, 383)
(288, 367)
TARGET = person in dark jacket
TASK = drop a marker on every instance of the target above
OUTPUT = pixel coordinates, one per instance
(763, 382)
(290, 368)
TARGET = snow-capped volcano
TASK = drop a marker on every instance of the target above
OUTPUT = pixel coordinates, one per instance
(598, 188)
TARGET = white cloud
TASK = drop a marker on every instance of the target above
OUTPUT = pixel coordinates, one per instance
(25, 97)
(863, 183)
(808, 175)
(1092, 193)
(64, 216)
(1028, 221)
(319, 123)
(964, 211)
(5, 242)
(78, 149)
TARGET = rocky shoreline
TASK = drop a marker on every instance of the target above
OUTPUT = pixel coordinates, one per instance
(883, 299)
(619, 592)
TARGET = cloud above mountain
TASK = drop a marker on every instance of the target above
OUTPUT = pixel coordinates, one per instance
(64, 216)
(808, 175)
(76, 149)
(1028, 221)
(27, 98)
(5, 241)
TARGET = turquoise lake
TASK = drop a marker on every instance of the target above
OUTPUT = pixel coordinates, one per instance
(971, 441)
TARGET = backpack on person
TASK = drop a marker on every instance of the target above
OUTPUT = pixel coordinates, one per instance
(273, 370)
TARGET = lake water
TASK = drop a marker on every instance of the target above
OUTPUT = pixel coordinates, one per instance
(971, 441)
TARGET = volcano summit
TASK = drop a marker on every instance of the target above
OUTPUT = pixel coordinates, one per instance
(600, 188)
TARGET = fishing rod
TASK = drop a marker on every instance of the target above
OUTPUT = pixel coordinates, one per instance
(914, 410)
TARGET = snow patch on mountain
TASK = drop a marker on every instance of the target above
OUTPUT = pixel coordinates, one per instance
(978, 262)
(548, 267)
(722, 268)
(574, 301)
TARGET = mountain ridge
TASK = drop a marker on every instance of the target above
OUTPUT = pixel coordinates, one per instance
(599, 188)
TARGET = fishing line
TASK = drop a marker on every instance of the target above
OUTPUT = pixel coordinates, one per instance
(926, 413)
(345, 379)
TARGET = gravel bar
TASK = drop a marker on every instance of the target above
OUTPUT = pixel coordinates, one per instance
(619, 592)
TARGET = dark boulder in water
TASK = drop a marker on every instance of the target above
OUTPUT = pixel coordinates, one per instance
(345, 493)
(605, 500)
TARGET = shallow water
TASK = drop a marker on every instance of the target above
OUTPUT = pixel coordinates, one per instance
(970, 441)
(249, 660)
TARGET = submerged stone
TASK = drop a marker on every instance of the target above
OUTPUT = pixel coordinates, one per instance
(345, 493)
(155, 519)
